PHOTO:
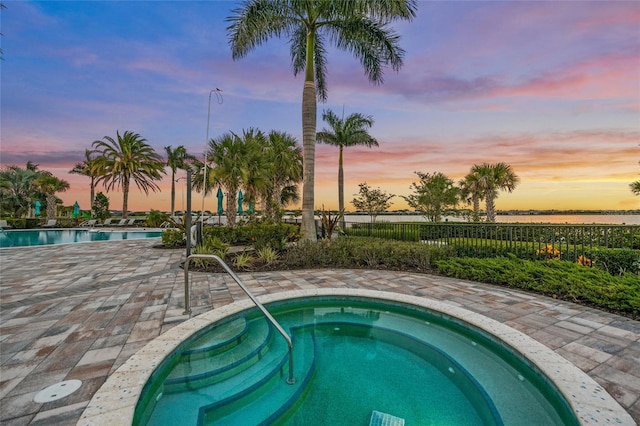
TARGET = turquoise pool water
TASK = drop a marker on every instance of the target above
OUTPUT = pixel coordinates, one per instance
(41, 237)
(352, 358)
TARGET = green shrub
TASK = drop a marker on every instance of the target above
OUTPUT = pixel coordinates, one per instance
(267, 255)
(215, 246)
(307, 254)
(155, 218)
(173, 238)
(274, 235)
(564, 280)
(224, 233)
(21, 223)
(350, 252)
(615, 261)
(243, 260)
(209, 246)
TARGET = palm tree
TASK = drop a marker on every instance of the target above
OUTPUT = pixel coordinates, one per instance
(472, 192)
(228, 154)
(86, 169)
(19, 189)
(493, 178)
(257, 177)
(126, 159)
(345, 133)
(284, 157)
(360, 27)
(176, 159)
(197, 177)
(49, 185)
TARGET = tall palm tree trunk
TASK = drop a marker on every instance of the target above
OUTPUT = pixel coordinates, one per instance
(232, 206)
(173, 192)
(476, 208)
(341, 189)
(92, 194)
(340, 183)
(491, 207)
(125, 197)
(276, 203)
(309, 151)
(51, 206)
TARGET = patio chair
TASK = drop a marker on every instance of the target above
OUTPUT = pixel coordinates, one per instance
(89, 223)
(107, 222)
(123, 222)
(131, 222)
(4, 224)
(51, 223)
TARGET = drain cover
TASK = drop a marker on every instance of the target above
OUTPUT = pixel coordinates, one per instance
(57, 391)
(383, 419)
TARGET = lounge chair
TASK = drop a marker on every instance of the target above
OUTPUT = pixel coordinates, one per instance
(4, 224)
(123, 222)
(51, 223)
(107, 222)
(89, 223)
(131, 222)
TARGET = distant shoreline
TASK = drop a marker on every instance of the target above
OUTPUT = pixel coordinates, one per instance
(523, 212)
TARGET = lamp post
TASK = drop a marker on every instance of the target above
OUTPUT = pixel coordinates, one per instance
(178, 180)
(204, 181)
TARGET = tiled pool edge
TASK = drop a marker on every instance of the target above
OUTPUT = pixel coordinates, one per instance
(115, 401)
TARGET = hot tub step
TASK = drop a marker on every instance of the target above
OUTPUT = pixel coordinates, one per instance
(218, 339)
(203, 371)
(268, 402)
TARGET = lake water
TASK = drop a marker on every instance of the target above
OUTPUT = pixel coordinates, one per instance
(615, 219)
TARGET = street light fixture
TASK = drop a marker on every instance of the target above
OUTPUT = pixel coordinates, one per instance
(218, 93)
(178, 180)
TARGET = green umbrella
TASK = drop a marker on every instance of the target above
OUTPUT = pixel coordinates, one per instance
(76, 210)
(220, 196)
(38, 206)
(240, 198)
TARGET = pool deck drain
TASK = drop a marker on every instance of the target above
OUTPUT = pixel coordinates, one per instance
(57, 391)
(80, 311)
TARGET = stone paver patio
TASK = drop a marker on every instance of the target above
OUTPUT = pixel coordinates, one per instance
(79, 311)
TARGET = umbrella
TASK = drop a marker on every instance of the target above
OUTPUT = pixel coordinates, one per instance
(250, 210)
(37, 210)
(76, 209)
(240, 203)
(220, 196)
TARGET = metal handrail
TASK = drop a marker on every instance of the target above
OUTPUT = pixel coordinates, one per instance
(187, 303)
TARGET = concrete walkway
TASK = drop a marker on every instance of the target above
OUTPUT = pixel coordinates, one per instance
(79, 311)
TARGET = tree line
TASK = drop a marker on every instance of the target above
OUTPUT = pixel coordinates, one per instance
(267, 167)
(435, 193)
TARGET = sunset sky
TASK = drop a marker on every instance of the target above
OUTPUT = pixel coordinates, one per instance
(551, 88)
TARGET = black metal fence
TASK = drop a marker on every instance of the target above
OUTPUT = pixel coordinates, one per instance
(581, 243)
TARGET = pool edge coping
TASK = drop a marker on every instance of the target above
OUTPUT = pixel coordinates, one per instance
(117, 398)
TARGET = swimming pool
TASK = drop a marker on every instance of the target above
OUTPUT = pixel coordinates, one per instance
(40, 237)
(583, 398)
